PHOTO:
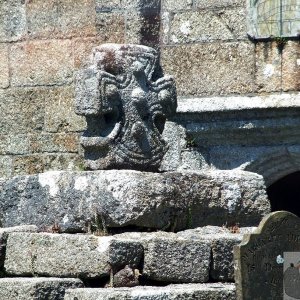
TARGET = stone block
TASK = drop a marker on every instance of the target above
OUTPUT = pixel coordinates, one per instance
(65, 18)
(44, 62)
(63, 255)
(206, 69)
(111, 27)
(107, 6)
(14, 144)
(13, 20)
(268, 67)
(4, 66)
(36, 288)
(6, 166)
(59, 142)
(221, 242)
(143, 27)
(38, 163)
(21, 110)
(211, 291)
(59, 111)
(28, 164)
(175, 5)
(291, 66)
(205, 26)
(212, 4)
(177, 200)
(3, 239)
(177, 260)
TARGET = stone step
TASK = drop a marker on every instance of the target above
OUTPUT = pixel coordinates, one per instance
(212, 291)
(79, 201)
(36, 288)
(191, 256)
(68, 255)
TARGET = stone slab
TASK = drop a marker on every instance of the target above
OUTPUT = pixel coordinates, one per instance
(211, 291)
(63, 255)
(205, 26)
(4, 235)
(258, 259)
(56, 19)
(118, 198)
(210, 68)
(36, 288)
(212, 4)
(13, 20)
(177, 260)
(4, 66)
(43, 62)
(291, 66)
(221, 241)
(42, 162)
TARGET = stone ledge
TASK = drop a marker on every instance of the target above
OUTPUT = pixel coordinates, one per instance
(237, 103)
(77, 201)
(212, 291)
(36, 288)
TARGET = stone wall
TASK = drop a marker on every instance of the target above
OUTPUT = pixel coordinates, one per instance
(202, 43)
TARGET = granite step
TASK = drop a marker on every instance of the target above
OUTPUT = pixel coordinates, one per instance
(36, 288)
(191, 256)
(211, 291)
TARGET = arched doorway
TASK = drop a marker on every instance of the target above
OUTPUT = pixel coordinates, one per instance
(284, 194)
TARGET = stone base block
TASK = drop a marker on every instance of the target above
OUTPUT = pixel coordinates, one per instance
(177, 260)
(65, 255)
(212, 291)
(36, 288)
(79, 201)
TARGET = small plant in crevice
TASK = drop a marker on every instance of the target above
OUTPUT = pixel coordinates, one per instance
(190, 142)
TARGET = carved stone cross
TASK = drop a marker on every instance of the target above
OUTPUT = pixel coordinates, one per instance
(124, 108)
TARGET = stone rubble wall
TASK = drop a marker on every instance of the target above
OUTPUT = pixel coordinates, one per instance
(42, 43)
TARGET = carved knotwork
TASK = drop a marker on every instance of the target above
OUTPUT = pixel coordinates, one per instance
(125, 110)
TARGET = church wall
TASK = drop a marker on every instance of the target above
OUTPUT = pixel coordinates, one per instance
(204, 44)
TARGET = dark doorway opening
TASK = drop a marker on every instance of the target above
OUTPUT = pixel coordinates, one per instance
(284, 194)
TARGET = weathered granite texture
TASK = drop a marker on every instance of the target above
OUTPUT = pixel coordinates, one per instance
(36, 288)
(125, 108)
(189, 255)
(211, 291)
(63, 255)
(77, 201)
(177, 260)
(4, 235)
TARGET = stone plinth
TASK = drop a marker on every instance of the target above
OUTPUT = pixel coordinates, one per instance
(79, 201)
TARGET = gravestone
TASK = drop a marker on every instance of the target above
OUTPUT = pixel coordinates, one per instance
(259, 268)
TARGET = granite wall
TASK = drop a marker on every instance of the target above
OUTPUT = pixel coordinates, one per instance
(203, 43)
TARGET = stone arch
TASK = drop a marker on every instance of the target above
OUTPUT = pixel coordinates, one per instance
(281, 171)
(284, 194)
(276, 165)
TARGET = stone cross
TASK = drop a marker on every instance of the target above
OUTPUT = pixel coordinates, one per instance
(259, 259)
(125, 108)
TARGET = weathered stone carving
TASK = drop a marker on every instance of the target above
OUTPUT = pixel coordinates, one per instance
(125, 109)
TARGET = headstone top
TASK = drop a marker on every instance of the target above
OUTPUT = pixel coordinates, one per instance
(125, 108)
(259, 258)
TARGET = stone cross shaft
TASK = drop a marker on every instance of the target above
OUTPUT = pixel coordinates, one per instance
(125, 108)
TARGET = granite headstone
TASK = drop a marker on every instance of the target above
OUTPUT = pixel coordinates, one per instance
(259, 259)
